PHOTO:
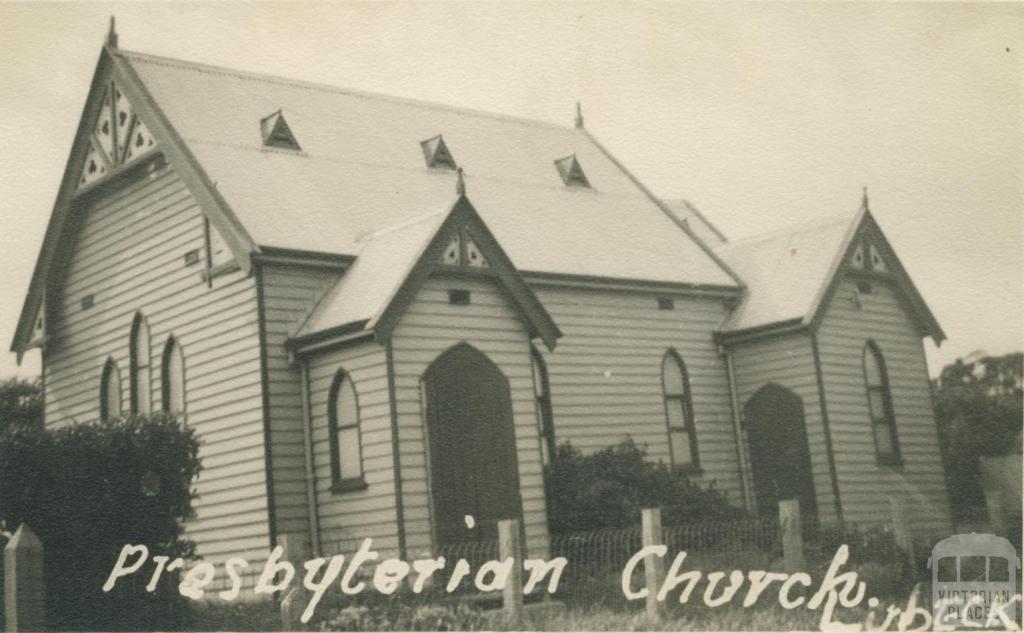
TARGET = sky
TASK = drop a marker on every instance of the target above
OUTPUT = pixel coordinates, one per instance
(762, 115)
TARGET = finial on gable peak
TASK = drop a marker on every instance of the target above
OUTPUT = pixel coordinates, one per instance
(460, 184)
(112, 34)
(579, 116)
(864, 200)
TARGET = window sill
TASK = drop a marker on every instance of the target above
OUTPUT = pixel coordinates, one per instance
(349, 485)
(689, 469)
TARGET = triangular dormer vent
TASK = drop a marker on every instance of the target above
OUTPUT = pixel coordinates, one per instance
(436, 153)
(571, 172)
(276, 132)
(118, 137)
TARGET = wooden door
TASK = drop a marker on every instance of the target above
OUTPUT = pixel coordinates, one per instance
(471, 438)
(780, 458)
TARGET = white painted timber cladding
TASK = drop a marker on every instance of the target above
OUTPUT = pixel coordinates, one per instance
(348, 517)
(605, 375)
(129, 255)
(430, 326)
(866, 486)
(788, 361)
(289, 294)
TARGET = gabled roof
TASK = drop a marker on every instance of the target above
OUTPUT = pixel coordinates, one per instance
(362, 169)
(112, 68)
(792, 273)
(697, 221)
(393, 263)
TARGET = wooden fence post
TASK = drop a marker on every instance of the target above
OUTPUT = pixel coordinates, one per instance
(792, 537)
(293, 602)
(510, 545)
(654, 566)
(24, 600)
(901, 528)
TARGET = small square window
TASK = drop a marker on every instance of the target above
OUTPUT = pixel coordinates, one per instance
(88, 301)
(192, 257)
(864, 287)
(666, 303)
(458, 297)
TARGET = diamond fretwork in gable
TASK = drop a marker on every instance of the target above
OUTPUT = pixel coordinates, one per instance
(877, 263)
(139, 140)
(857, 259)
(95, 164)
(452, 252)
(867, 256)
(474, 257)
(118, 136)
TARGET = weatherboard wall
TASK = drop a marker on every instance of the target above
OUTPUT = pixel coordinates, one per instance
(788, 361)
(347, 517)
(605, 374)
(128, 253)
(289, 292)
(866, 485)
(429, 326)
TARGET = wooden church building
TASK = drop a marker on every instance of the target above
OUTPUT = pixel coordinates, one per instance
(372, 342)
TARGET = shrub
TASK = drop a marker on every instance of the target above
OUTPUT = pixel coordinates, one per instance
(399, 615)
(607, 489)
(89, 489)
(21, 402)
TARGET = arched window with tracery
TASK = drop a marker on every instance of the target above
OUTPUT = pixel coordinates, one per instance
(110, 391)
(140, 386)
(682, 435)
(883, 423)
(172, 377)
(343, 434)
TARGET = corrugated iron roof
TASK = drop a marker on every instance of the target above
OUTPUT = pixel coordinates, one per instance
(697, 222)
(384, 261)
(786, 270)
(362, 168)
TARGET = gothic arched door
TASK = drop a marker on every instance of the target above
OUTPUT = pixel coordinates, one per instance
(779, 454)
(471, 438)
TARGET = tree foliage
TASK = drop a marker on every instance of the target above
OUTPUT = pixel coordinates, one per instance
(89, 489)
(21, 402)
(607, 489)
(978, 409)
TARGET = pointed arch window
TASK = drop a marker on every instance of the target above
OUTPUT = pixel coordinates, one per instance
(110, 391)
(883, 423)
(675, 383)
(172, 377)
(343, 435)
(140, 386)
(542, 392)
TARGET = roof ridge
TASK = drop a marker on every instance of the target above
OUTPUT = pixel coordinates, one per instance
(313, 85)
(700, 215)
(369, 237)
(833, 220)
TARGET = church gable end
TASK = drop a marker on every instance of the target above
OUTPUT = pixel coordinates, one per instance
(119, 136)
